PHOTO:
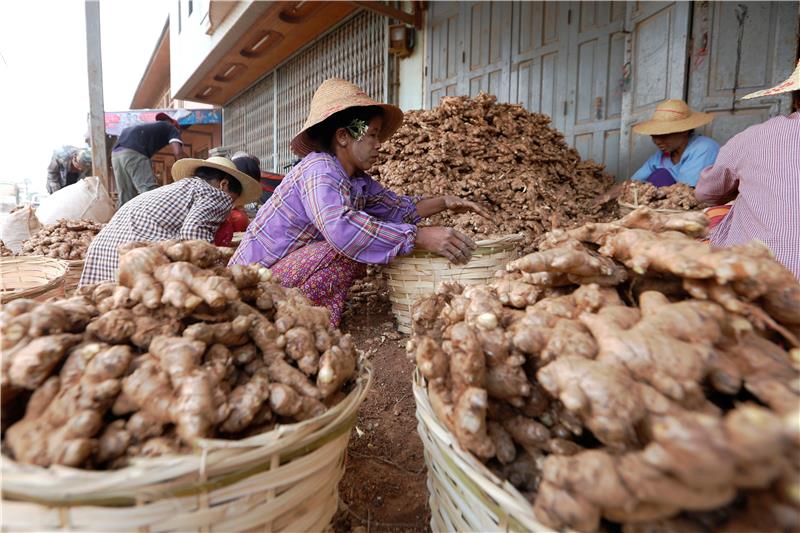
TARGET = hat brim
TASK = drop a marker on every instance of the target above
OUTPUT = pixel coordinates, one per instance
(187, 167)
(303, 144)
(660, 127)
(791, 84)
(786, 87)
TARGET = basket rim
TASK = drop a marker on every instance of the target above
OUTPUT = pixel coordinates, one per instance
(70, 262)
(494, 245)
(54, 283)
(490, 485)
(222, 462)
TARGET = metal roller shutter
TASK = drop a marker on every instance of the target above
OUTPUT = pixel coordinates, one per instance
(356, 52)
(248, 122)
(264, 119)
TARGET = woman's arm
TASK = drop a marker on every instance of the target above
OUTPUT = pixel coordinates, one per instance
(354, 234)
(427, 207)
(719, 183)
(389, 206)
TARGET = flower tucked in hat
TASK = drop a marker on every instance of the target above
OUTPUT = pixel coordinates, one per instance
(672, 116)
(790, 85)
(336, 95)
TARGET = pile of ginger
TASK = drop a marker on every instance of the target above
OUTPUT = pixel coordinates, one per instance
(678, 196)
(181, 348)
(510, 160)
(627, 376)
(66, 239)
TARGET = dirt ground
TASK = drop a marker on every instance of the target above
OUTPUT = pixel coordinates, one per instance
(384, 486)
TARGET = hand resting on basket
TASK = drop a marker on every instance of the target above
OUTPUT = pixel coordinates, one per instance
(447, 242)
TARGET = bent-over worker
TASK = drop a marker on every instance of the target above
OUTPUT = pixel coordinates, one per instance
(760, 168)
(191, 208)
(130, 158)
(67, 166)
(327, 219)
(681, 154)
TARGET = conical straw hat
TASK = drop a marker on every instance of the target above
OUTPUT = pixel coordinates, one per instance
(336, 95)
(791, 84)
(186, 168)
(672, 116)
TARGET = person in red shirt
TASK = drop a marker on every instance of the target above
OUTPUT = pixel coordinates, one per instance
(237, 221)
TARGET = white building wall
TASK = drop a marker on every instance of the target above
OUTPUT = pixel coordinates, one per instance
(192, 51)
(412, 77)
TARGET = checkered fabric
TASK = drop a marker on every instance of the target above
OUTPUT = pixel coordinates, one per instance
(761, 168)
(187, 209)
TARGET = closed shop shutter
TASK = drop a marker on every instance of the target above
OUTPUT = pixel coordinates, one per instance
(739, 48)
(563, 59)
(264, 119)
(248, 122)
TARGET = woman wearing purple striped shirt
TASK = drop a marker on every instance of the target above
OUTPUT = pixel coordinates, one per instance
(760, 169)
(328, 219)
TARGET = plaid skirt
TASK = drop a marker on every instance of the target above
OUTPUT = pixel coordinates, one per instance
(716, 213)
(322, 274)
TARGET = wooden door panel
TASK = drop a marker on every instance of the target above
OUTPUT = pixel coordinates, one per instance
(596, 55)
(444, 51)
(539, 40)
(655, 57)
(722, 72)
(487, 49)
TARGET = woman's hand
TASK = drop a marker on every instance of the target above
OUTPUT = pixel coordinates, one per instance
(447, 242)
(459, 205)
(428, 207)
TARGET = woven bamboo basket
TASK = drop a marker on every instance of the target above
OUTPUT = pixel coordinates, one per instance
(463, 494)
(73, 276)
(420, 273)
(285, 480)
(31, 277)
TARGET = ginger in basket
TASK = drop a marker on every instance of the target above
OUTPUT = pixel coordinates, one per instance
(66, 239)
(181, 349)
(601, 399)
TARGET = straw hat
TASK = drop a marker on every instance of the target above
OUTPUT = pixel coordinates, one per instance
(186, 168)
(336, 95)
(791, 84)
(672, 116)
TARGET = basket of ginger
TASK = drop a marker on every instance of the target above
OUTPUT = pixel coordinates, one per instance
(420, 273)
(624, 377)
(188, 397)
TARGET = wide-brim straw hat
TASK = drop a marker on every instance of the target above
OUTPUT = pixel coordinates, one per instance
(187, 167)
(336, 95)
(672, 116)
(790, 85)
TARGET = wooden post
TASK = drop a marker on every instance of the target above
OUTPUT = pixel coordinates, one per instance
(96, 105)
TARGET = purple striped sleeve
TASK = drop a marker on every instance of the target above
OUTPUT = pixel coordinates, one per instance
(354, 234)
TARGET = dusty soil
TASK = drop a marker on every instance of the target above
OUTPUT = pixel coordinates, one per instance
(384, 486)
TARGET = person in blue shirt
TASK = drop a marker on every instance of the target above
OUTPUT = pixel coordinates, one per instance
(682, 154)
